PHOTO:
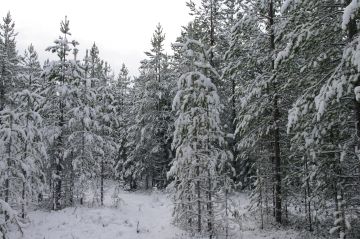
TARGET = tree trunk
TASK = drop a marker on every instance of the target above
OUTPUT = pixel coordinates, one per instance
(261, 201)
(210, 207)
(276, 131)
(227, 213)
(23, 198)
(198, 198)
(308, 196)
(7, 194)
(278, 193)
(58, 185)
(102, 183)
(59, 159)
(8, 173)
(212, 31)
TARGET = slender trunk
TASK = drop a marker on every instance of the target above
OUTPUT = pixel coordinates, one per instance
(278, 194)
(83, 155)
(309, 216)
(189, 210)
(23, 193)
(339, 200)
(102, 166)
(273, 188)
(58, 165)
(71, 180)
(198, 198)
(60, 140)
(276, 131)
(227, 213)
(7, 193)
(305, 201)
(147, 182)
(58, 185)
(265, 194)
(233, 129)
(210, 207)
(342, 211)
(102, 183)
(308, 196)
(339, 211)
(8, 173)
(261, 202)
(212, 31)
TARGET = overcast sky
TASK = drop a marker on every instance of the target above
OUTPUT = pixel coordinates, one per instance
(121, 28)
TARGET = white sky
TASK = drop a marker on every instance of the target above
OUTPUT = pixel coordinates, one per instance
(122, 29)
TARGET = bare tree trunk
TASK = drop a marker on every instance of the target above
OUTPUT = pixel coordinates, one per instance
(71, 180)
(261, 203)
(23, 198)
(210, 207)
(189, 210)
(7, 196)
(308, 196)
(58, 186)
(198, 199)
(265, 194)
(273, 188)
(102, 183)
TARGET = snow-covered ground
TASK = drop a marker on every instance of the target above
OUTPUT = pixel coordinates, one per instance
(140, 215)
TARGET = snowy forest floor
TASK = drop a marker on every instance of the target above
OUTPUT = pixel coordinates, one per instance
(140, 215)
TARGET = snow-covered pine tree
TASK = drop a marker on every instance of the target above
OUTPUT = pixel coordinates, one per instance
(33, 150)
(229, 82)
(62, 79)
(215, 19)
(22, 152)
(85, 143)
(130, 167)
(261, 131)
(9, 59)
(108, 122)
(123, 98)
(151, 138)
(209, 16)
(200, 146)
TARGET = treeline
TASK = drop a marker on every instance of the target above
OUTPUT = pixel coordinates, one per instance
(257, 95)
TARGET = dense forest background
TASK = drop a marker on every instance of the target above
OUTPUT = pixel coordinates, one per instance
(258, 95)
